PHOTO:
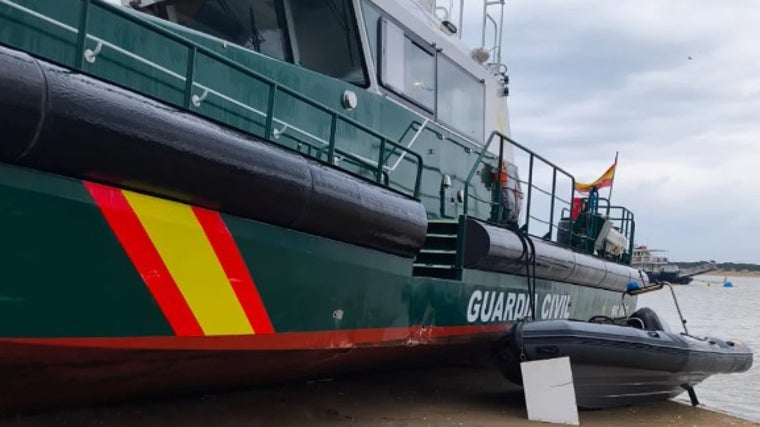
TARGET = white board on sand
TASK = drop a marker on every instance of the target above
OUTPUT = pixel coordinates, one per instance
(549, 391)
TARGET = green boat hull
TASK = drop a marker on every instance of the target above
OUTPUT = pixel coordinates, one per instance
(122, 281)
(82, 317)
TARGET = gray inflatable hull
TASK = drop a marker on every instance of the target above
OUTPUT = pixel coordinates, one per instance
(492, 248)
(620, 365)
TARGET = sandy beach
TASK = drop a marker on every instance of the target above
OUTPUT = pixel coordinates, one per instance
(461, 396)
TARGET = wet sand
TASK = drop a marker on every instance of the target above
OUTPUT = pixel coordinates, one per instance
(461, 396)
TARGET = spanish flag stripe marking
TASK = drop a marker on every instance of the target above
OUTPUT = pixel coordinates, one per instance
(184, 247)
(234, 266)
(140, 250)
(603, 181)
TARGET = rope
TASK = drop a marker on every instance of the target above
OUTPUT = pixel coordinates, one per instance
(531, 274)
(529, 255)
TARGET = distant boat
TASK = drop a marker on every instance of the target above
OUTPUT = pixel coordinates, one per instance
(659, 269)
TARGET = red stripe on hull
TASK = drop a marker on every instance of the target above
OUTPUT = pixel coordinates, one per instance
(138, 246)
(235, 268)
(285, 341)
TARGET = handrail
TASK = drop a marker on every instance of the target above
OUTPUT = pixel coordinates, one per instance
(157, 67)
(625, 224)
(194, 49)
(532, 156)
(346, 155)
(622, 217)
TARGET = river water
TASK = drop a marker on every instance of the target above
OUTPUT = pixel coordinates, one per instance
(727, 313)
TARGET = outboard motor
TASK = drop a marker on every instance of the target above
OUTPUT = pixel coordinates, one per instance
(610, 243)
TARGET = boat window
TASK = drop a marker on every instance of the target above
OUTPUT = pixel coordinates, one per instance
(461, 99)
(321, 35)
(327, 39)
(257, 25)
(406, 67)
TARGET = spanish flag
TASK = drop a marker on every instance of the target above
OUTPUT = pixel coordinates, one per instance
(603, 181)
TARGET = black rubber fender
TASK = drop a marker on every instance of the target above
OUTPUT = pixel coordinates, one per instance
(78, 126)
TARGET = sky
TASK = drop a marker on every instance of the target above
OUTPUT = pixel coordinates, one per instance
(673, 86)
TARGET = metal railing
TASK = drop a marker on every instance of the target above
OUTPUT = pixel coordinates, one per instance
(625, 223)
(194, 50)
(560, 218)
(566, 235)
(622, 220)
(496, 205)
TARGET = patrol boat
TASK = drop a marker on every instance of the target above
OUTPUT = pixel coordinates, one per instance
(659, 269)
(214, 193)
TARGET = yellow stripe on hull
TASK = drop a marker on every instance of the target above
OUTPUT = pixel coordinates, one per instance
(182, 244)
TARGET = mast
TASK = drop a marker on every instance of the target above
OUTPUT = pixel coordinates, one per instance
(612, 182)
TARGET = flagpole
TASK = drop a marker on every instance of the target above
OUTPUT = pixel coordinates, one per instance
(614, 171)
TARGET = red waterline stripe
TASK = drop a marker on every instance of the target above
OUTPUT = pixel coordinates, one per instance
(321, 340)
(235, 268)
(136, 242)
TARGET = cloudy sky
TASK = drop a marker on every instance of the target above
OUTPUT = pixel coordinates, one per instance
(592, 77)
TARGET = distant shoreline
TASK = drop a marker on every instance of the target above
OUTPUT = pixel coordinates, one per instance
(732, 273)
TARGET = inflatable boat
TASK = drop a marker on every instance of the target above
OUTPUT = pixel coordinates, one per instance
(619, 362)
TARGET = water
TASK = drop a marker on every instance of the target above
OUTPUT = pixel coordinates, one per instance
(726, 313)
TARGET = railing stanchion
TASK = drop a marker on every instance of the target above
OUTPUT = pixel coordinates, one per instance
(499, 190)
(84, 16)
(190, 76)
(572, 221)
(418, 181)
(633, 235)
(331, 146)
(270, 111)
(381, 161)
(551, 207)
(530, 193)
